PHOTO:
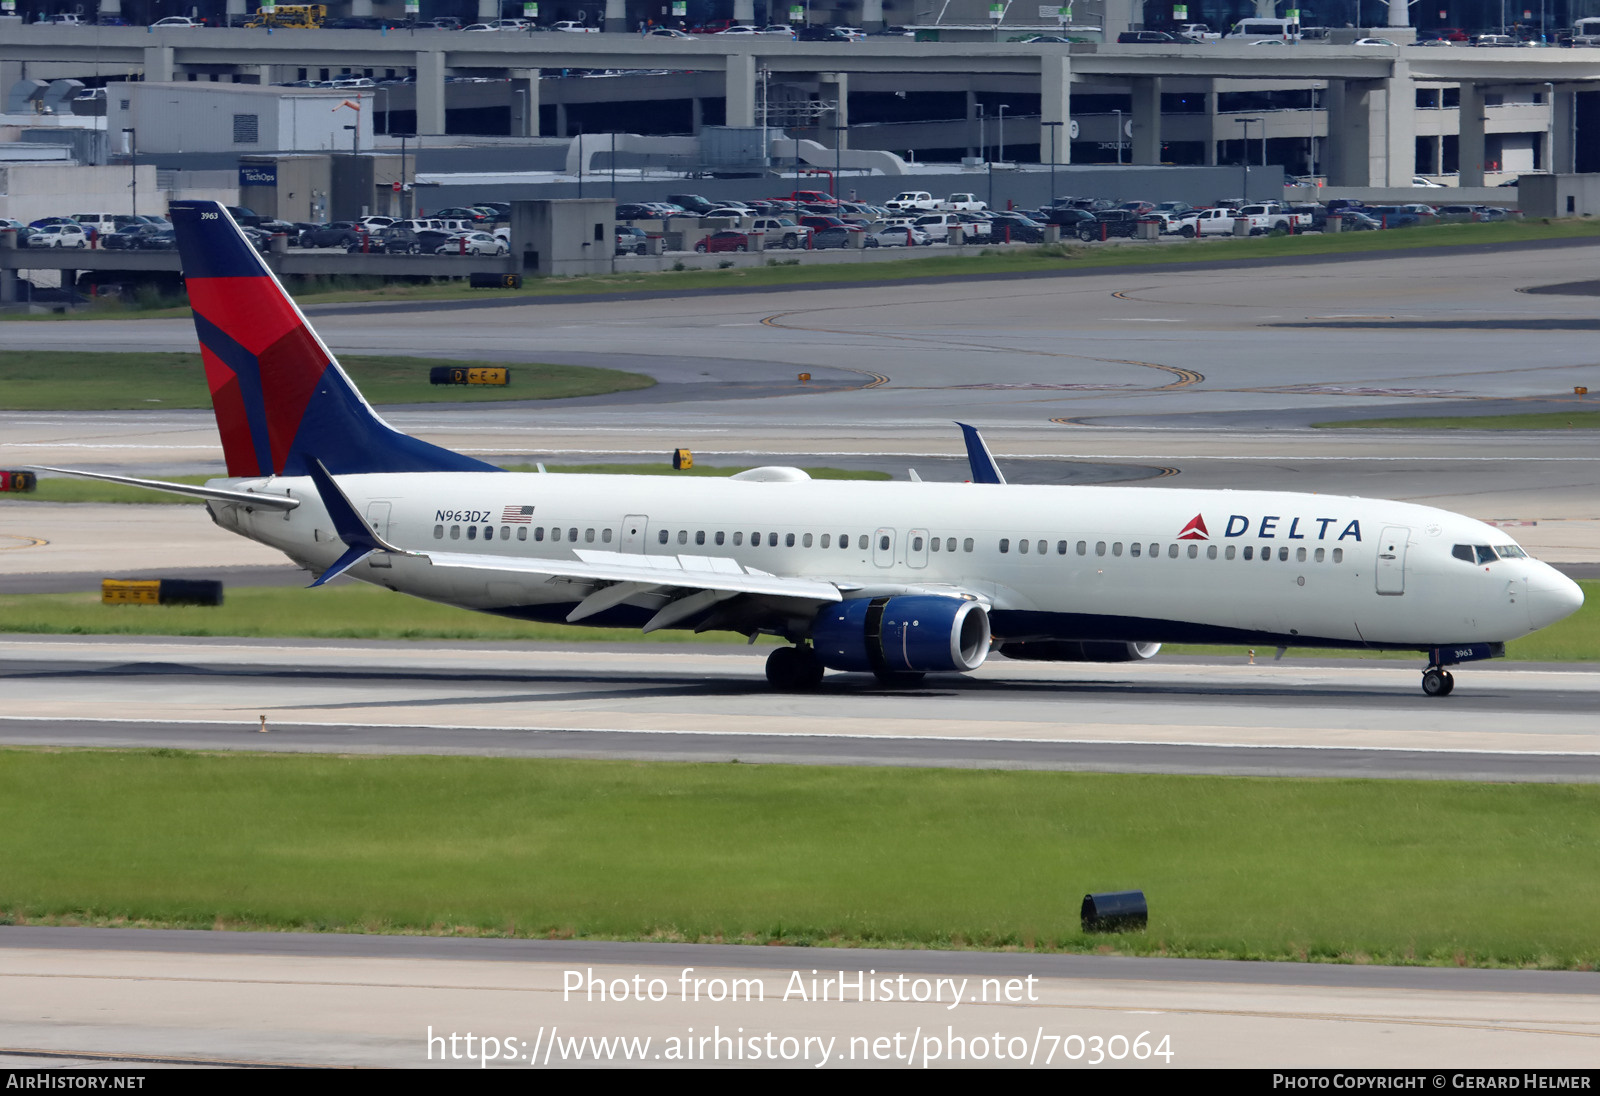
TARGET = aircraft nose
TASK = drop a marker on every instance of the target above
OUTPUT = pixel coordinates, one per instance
(1552, 596)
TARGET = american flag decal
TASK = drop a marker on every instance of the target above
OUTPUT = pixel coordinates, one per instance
(517, 515)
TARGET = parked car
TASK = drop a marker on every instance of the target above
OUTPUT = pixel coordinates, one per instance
(902, 234)
(70, 234)
(1109, 223)
(726, 240)
(814, 33)
(838, 235)
(173, 21)
(461, 213)
(1354, 220)
(694, 203)
(1153, 38)
(911, 200)
(472, 243)
(1016, 228)
(632, 241)
(571, 26)
(392, 240)
(669, 32)
(333, 234)
(1393, 216)
(127, 239)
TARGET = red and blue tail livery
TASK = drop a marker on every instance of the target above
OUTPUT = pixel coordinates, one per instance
(278, 394)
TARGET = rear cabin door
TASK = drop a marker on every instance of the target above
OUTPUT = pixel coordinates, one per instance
(378, 518)
(634, 527)
(1391, 569)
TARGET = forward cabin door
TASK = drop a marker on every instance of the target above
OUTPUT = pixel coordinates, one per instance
(634, 527)
(883, 547)
(1391, 569)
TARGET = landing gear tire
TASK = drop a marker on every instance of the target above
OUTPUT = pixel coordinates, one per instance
(1438, 682)
(794, 669)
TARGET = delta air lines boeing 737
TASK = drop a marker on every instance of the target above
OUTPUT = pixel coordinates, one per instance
(893, 579)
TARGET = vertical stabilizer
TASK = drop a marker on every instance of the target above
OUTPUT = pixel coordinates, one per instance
(277, 392)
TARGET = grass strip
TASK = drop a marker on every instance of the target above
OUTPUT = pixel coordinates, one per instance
(1426, 872)
(344, 611)
(63, 380)
(1070, 256)
(1542, 420)
(53, 488)
(360, 611)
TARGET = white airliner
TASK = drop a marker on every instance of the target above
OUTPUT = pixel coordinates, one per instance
(893, 579)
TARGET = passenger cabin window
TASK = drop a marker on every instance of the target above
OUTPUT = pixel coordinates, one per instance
(916, 544)
(805, 541)
(488, 532)
(1135, 548)
(605, 535)
(1283, 553)
(472, 532)
(538, 533)
(1194, 552)
(438, 532)
(1249, 552)
(700, 536)
(1083, 547)
(1172, 551)
(588, 536)
(1338, 555)
(1229, 553)
(788, 540)
(861, 542)
(738, 539)
(1099, 547)
(1116, 548)
(772, 540)
(683, 536)
(1321, 554)
(572, 534)
(522, 532)
(455, 532)
(660, 537)
(933, 543)
(1041, 547)
(1022, 546)
(1005, 545)
(827, 540)
(1061, 547)
(505, 532)
(1299, 555)
(721, 536)
(1211, 552)
(966, 545)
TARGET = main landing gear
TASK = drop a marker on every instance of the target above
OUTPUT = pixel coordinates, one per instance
(1437, 682)
(794, 669)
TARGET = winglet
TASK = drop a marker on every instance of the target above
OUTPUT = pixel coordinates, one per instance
(984, 469)
(362, 539)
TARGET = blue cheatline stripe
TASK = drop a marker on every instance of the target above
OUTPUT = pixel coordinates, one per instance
(209, 246)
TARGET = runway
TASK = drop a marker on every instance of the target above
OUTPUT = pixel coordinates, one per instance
(255, 999)
(1332, 718)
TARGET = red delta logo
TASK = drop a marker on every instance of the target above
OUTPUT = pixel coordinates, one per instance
(1195, 530)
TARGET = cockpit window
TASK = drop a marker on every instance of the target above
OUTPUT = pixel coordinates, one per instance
(1510, 551)
(1464, 552)
(1485, 553)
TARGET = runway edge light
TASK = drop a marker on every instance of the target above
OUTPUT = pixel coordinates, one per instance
(1115, 911)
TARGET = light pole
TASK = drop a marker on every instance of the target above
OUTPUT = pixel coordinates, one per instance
(1119, 137)
(133, 166)
(1054, 128)
(1002, 154)
(1244, 153)
(355, 139)
(405, 191)
(983, 150)
(838, 144)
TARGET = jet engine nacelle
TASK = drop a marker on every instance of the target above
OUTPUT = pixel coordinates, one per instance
(1061, 650)
(913, 633)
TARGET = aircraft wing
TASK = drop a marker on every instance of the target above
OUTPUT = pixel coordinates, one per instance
(703, 581)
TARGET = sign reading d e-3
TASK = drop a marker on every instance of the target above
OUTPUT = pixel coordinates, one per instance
(468, 374)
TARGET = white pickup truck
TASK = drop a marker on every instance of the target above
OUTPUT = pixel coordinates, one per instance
(958, 203)
(912, 200)
(1262, 217)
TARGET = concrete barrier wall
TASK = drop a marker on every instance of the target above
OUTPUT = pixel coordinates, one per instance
(1401, 195)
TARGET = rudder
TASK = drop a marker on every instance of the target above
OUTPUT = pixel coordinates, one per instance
(277, 391)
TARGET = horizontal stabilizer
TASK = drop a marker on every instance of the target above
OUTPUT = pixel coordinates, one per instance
(220, 494)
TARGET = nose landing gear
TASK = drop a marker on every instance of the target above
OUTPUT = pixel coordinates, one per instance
(1437, 682)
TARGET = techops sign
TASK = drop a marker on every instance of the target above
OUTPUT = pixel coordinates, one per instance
(258, 175)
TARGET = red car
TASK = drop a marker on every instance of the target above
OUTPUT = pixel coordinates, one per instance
(813, 197)
(1452, 34)
(727, 240)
